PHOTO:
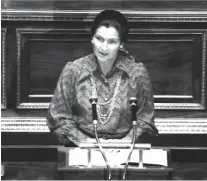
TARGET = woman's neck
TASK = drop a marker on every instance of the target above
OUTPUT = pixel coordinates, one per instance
(106, 66)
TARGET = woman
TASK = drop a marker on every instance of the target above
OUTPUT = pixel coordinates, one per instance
(111, 75)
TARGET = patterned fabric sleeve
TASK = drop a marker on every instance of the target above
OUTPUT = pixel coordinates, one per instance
(60, 118)
(145, 112)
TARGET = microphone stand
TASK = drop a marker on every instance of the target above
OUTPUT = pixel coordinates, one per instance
(133, 102)
(94, 112)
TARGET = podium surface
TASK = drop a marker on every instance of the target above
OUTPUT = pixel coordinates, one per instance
(86, 170)
(100, 173)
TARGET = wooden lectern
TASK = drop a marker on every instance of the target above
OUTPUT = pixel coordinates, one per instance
(87, 170)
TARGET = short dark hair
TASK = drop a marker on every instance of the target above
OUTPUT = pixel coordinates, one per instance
(112, 18)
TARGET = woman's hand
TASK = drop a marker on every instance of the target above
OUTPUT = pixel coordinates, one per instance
(61, 137)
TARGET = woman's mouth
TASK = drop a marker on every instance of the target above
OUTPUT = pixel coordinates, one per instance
(102, 53)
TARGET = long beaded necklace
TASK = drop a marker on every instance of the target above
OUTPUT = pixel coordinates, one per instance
(104, 118)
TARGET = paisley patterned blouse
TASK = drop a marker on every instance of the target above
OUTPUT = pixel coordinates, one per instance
(70, 111)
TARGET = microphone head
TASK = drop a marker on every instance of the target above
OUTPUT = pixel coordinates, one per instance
(133, 100)
(93, 99)
(95, 122)
(134, 123)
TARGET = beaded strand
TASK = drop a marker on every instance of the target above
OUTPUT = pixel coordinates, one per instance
(104, 118)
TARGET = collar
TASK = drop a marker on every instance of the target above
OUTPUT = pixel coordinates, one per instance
(123, 62)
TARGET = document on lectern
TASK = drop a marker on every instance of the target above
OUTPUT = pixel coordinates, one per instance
(115, 157)
(118, 157)
(78, 157)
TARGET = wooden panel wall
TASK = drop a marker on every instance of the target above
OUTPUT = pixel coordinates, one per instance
(169, 37)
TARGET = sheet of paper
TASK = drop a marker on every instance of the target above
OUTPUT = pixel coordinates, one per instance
(116, 157)
(78, 157)
(155, 156)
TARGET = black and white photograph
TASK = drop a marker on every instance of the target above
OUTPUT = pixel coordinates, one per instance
(103, 89)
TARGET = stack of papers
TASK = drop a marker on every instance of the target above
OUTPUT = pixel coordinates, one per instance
(115, 157)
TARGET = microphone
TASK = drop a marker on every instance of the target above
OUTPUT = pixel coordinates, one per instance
(94, 101)
(133, 102)
(94, 113)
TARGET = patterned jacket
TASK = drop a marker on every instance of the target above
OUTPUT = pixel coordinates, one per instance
(70, 111)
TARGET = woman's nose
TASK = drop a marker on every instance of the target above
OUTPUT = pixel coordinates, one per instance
(104, 46)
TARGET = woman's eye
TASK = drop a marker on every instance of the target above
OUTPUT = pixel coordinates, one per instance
(99, 38)
(112, 42)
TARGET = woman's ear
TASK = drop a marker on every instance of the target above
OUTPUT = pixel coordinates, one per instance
(92, 40)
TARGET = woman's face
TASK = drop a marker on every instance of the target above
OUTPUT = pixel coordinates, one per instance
(106, 43)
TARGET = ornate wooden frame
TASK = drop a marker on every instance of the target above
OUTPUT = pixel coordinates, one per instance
(165, 125)
(3, 69)
(201, 105)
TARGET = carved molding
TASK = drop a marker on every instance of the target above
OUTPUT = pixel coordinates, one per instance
(179, 106)
(89, 15)
(172, 106)
(164, 125)
(18, 101)
(188, 106)
(35, 105)
(20, 104)
(181, 125)
(204, 64)
(3, 69)
(13, 124)
(158, 106)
